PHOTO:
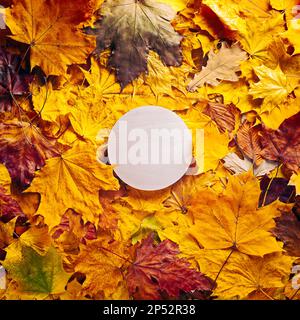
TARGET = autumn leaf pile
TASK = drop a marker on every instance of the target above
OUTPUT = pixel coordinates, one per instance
(70, 229)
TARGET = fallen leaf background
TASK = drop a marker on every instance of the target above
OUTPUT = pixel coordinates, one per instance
(70, 229)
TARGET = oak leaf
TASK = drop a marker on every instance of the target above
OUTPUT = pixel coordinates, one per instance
(220, 66)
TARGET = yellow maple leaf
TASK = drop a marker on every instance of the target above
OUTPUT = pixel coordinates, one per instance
(102, 82)
(274, 117)
(54, 39)
(176, 219)
(50, 103)
(231, 92)
(256, 35)
(205, 134)
(283, 5)
(233, 219)
(242, 274)
(36, 238)
(101, 261)
(274, 86)
(72, 181)
(146, 201)
(293, 24)
(91, 120)
(162, 79)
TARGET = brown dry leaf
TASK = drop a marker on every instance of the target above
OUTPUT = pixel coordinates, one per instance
(225, 116)
(220, 66)
(248, 139)
(283, 144)
(132, 28)
(287, 230)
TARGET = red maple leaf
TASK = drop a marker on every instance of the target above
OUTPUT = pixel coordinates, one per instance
(12, 82)
(23, 150)
(9, 207)
(158, 271)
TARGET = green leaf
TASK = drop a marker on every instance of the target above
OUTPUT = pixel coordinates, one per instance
(35, 273)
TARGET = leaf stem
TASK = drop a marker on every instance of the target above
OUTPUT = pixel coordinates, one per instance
(266, 294)
(269, 186)
(294, 295)
(123, 258)
(224, 264)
